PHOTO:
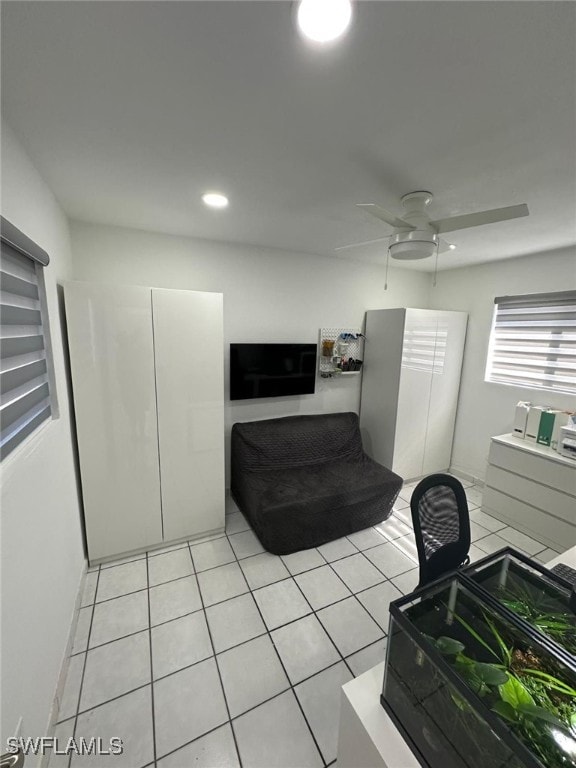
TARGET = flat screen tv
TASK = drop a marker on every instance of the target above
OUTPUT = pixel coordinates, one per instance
(272, 370)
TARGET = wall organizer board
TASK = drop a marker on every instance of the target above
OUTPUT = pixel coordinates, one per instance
(340, 352)
(148, 383)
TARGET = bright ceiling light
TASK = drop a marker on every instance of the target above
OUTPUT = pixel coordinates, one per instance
(452, 247)
(324, 20)
(215, 200)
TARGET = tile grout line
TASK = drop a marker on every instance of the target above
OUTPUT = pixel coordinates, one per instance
(355, 595)
(359, 551)
(251, 591)
(298, 703)
(283, 578)
(113, 698)
(342, 658)
(251, 709)
(154, 750)
(226, 600)
(195, 739)
(312, 611)
(216, 660)
(233, 647)
(85, 662)
(189, 666)
(128, 559)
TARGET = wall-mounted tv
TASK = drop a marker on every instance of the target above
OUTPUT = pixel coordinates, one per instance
(272, 370)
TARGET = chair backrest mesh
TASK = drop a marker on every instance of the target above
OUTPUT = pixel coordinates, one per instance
(439, 518)
(441, 525)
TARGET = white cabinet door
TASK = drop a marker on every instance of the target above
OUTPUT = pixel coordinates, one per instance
(418, 345)
(189, 355)
(111, 359)
(445, 385)
(380, 383)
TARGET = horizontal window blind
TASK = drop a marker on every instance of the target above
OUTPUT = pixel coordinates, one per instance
(533, 341)
(24, 381)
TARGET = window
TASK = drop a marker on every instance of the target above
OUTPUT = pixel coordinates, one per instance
(533, 341)
(25, 359)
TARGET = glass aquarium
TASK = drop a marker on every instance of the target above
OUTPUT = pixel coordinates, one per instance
(532, 593)
(471, 686)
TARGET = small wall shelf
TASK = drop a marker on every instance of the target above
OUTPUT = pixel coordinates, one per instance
(344, 344)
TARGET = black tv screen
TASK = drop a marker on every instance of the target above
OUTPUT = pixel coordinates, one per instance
(272, 370)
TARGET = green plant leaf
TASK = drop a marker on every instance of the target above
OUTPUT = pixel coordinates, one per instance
(475, 635)
(514, 693)
(505, 710)
(550, 681)
(490, 674)
(448, 646)
(506, 652)
(540, 713)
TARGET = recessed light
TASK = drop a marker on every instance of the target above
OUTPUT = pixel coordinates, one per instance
(452, 247)
(215, 200)
(324, 20)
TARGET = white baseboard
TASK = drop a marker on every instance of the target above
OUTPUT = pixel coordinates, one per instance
(55, 709)
(466, 476)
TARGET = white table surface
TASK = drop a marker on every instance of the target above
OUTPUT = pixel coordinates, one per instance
(361, 703)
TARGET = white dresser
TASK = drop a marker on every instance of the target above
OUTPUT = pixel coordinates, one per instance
(532, 488)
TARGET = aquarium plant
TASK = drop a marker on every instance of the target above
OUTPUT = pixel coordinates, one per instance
(522, 686)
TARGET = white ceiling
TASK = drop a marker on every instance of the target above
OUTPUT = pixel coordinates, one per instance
(131, 110)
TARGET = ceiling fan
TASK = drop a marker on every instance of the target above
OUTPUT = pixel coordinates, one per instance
(416, 236)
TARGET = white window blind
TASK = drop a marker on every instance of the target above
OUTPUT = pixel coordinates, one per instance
(24, 382)
(533, 341)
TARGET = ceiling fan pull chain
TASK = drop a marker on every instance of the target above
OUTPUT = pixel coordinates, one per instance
(387, 262)
(436, 264)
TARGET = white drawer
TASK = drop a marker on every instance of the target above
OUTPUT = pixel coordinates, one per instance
(548, 499)
(536, 523)
(537, 467)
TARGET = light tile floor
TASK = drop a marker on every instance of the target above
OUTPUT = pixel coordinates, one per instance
(220, 654)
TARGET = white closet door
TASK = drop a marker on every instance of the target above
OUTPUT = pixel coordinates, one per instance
(445, 385)
(414, 392)
(188, 342)
(380, 382)
(112, 364)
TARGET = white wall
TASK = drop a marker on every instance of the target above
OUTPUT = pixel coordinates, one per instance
(486, 409)
(268, 296)
(42, 553)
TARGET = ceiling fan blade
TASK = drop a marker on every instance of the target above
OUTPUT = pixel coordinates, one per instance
(443, 246)
(385, 215)
(478, 219)
(357, 245)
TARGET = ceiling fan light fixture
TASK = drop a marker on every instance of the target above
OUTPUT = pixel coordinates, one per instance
(324, 21)
(410, 246)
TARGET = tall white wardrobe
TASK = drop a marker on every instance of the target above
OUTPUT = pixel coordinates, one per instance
(410, 383)
(147, 377)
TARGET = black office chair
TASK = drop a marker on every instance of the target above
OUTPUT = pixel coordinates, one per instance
(441, 526)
